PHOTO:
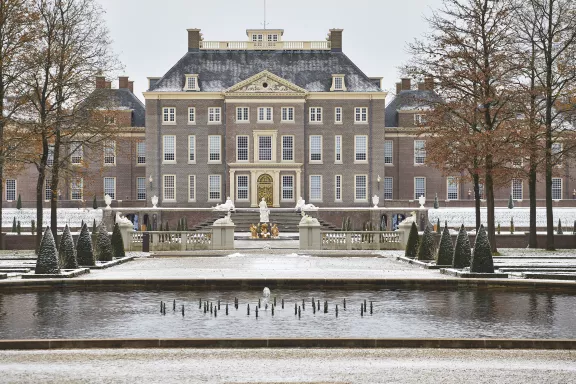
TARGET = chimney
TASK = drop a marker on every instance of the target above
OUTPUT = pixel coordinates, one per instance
(335, 38)
(123, 82)
(194, 39)
(107, 84)
(398, 88)
(100, 82)
(429, 83)
(131, 86)
(406, 84)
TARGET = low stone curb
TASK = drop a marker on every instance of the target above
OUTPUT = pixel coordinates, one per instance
(39, 344)
(421, 264)
(552, 276)
(112, 263)
(3, 276)
(459, 273)
(66, 274)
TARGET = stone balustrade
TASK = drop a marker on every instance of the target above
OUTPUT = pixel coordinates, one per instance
(266, 45)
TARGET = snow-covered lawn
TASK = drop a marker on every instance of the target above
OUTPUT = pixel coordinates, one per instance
(71, 216)
(467, 216)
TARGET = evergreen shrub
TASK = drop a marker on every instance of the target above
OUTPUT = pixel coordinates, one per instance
(47, 262)
(482, 261)
(462, 253)
(413, 242)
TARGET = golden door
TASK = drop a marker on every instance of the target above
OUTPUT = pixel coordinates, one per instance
(265, 189)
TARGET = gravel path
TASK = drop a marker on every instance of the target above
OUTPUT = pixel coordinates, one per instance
(294, 365)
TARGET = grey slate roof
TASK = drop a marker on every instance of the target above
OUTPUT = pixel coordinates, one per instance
(220, 70)
(408, 100)
(123, 99)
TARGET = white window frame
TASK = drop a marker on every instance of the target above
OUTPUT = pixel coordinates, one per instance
(15, 189)
(273, 38)
(265, 114)
(192, 149)
(192, 188)
(557, 153)
(338, 115)
(419, 153)
(361, 115)
(164, 153)
(388, 152)
(338, 149)
(419, 119)
(388, 187)
(291, 153)
(165, 188)
(168, 115)
(214, 177)
(242, 115)
(515, 193)
(315, 115)
(214, 115)
(285, 188)
(110, 153)
(247, 189)
(557, 192)
(260, 148)
(338, 188)
(360, 199)
(452, 188)
(141, 153)
(50, 159)
(287, 112)
(416, 194)
(141, 188)
(77, 181)
(210, 150)
(315, 161)
(76, 153)
(238, 159)
(113, 195)
(338, 83)
(321, 192)
(47, 189)
(356, 153)
(191, 115)
(191, 83)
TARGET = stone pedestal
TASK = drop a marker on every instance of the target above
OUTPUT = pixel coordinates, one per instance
(223, 235)
(126, 230)
(310, 236)
(404, 229)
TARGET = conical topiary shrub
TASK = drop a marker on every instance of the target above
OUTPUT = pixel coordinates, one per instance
(94, 227)
(94, 203)
(510, 202)
(559, 231)
(413, 242)
(103, 244)
(84, 250)
(47, 262)
(18, 228)
(426, 249)
(117, 242)
(438, 229)
(446, 249)
(482, 261)
(67, 253)
(512, 225)
(33, 227)
(19, 202)
(14, 225)
(436, 204)
(462, 254)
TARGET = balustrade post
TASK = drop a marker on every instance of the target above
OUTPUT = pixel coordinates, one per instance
(348, 241)
(183, 241)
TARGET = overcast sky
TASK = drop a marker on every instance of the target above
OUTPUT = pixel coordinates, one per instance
(150, 35)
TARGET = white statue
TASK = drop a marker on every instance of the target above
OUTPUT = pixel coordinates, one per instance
(154, 201)
(422, 201)
(300, 204)
(225, 220)
(122, 219)
(375, 200)
(227, 206)
(264, 212)
(108, 201)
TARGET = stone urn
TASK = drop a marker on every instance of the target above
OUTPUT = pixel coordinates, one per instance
(375, 200)
(107, 200)
(154, 201)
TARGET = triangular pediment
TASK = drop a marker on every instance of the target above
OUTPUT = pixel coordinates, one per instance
(265, 83)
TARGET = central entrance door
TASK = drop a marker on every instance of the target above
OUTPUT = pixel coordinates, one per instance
(265, 189)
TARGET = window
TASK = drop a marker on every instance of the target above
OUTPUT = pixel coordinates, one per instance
(452, 188)
(141, 188)
(316, 148)
(338, 83)
(242, 148)
(264, 148)
(76, 189)
(50, 160)
(10, 189)
(419, 187)
(288, 188)
(419, 151)
(191, 115)
(517, 189)
(214, 115)
(169, 187)
(361, 115)
(273, 38)
(361, 188)
(214, 184)
(287, 148)
(109, 120)
(110, 187)
(556, 188)
(419, 119)
(110, 153)
(557, 154)
(169, 116)
(360, 149)
(256, 37)
(265, 114)
(480, 191)
(288, 114)
(191, 187)
(242, 114)
(191, 83)
(315, 115)
(315, 188)
(77, 153)
(47, 189)
(191, 149)
(338, 115)
(388, 185)
(388, 152)
(214, 147)
(338, 149)
(338, 188)
(242, 187)
(141, 152)
(169, 149)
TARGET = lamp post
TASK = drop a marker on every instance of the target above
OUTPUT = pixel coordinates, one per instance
(574, 194)
(378, 179)
(150, 180)
(469, 193)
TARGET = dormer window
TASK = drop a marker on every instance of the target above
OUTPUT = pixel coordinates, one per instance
(191, 83)
(257, 37)
(273, 38)
(338, 83)
(109, 120)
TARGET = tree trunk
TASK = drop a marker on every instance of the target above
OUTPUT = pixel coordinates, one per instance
(489, 191)
(54, 187)
(549, 213)
(39, 205)
(532, 239)
(1, 169)
(476, 178)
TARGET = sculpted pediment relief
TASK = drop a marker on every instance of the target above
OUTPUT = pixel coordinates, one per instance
(265, 83)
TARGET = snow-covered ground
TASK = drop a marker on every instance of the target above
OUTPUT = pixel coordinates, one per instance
(467, 216)
(71, 216)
